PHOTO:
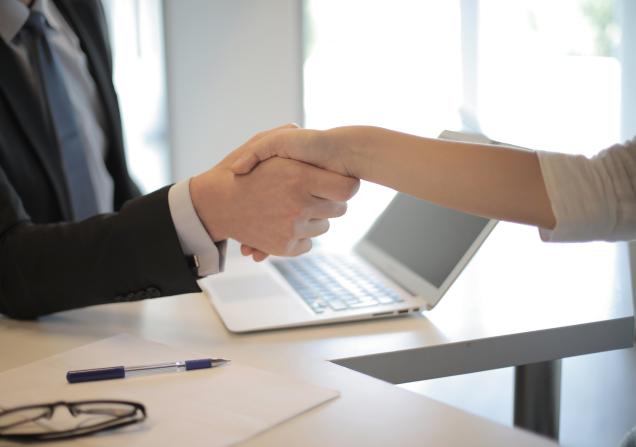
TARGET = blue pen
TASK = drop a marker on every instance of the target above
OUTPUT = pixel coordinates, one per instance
(120, 372)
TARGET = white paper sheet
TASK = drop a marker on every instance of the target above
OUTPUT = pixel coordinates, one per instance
(209, 407)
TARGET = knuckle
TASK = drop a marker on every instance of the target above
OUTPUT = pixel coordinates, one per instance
(355, 185)
(319, 227)
(340, 209)
(289, 232)
(336, 209)
(291, 248)
(347, 188)
(325, 226)
(282, 247)
(352, 187)
(304, 246)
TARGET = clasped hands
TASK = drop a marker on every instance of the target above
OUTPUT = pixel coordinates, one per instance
(265, 198)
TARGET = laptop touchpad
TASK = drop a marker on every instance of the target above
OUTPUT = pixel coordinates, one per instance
(247, 287)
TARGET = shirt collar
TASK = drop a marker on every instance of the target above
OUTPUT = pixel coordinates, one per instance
(14, 14)
(44, 6)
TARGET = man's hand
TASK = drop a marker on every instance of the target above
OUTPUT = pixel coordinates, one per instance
(276, 209)
(289, 141)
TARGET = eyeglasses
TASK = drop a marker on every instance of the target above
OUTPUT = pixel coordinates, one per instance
(34, 423)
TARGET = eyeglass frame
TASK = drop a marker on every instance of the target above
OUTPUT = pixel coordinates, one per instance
(76, 432)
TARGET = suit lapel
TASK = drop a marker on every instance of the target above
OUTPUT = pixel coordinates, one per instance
(29, 114)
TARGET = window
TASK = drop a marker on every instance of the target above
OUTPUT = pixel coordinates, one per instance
(392, 64)
(535, 73)
(548, 74)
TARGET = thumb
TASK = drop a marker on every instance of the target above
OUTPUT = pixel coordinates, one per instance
(257, 150)
(264, 133)
(245, 163)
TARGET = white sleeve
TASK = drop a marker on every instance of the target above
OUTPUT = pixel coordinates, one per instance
(592, 198)
(192, 235)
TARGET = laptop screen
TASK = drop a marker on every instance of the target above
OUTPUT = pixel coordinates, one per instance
(428, 239)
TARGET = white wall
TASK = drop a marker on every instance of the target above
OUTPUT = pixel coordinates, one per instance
(234, 67)
(627, 17)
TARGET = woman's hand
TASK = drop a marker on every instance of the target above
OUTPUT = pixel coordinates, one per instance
(315, 147)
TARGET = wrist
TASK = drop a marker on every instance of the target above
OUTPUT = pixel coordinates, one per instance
(207, 195)
(350, 146)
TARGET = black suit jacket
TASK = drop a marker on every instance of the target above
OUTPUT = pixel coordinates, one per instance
(48, 263)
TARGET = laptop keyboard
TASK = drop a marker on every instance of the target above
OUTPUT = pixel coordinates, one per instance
(335, 282)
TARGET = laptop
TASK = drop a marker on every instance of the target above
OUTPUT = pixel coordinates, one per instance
(404, 264)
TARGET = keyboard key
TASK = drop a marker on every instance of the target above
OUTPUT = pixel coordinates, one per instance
(317, 309)
(331, 282)
(338, 305)
(362, 304)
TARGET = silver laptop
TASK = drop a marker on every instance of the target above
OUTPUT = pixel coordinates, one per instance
(405, 263)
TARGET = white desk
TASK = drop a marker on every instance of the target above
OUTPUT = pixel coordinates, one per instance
(501, 312)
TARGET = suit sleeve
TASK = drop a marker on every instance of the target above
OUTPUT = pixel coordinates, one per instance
(126, 256)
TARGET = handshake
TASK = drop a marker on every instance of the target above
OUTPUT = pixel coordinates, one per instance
(275, 192)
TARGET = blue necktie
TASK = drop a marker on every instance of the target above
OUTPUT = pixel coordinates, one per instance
(62, 119)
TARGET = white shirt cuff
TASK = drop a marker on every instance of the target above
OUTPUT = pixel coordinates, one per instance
(194, 239)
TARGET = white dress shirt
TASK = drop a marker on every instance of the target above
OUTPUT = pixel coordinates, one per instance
(592, 198)
(89, 112)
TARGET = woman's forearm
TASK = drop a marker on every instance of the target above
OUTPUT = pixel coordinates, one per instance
(491, 181)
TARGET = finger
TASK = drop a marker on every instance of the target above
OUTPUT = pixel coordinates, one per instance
(264, 133)
(246, 162)
(313, 228)
(259, 256)
(326, 209)
(331, 186)
(300, 247)
(252, 153)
